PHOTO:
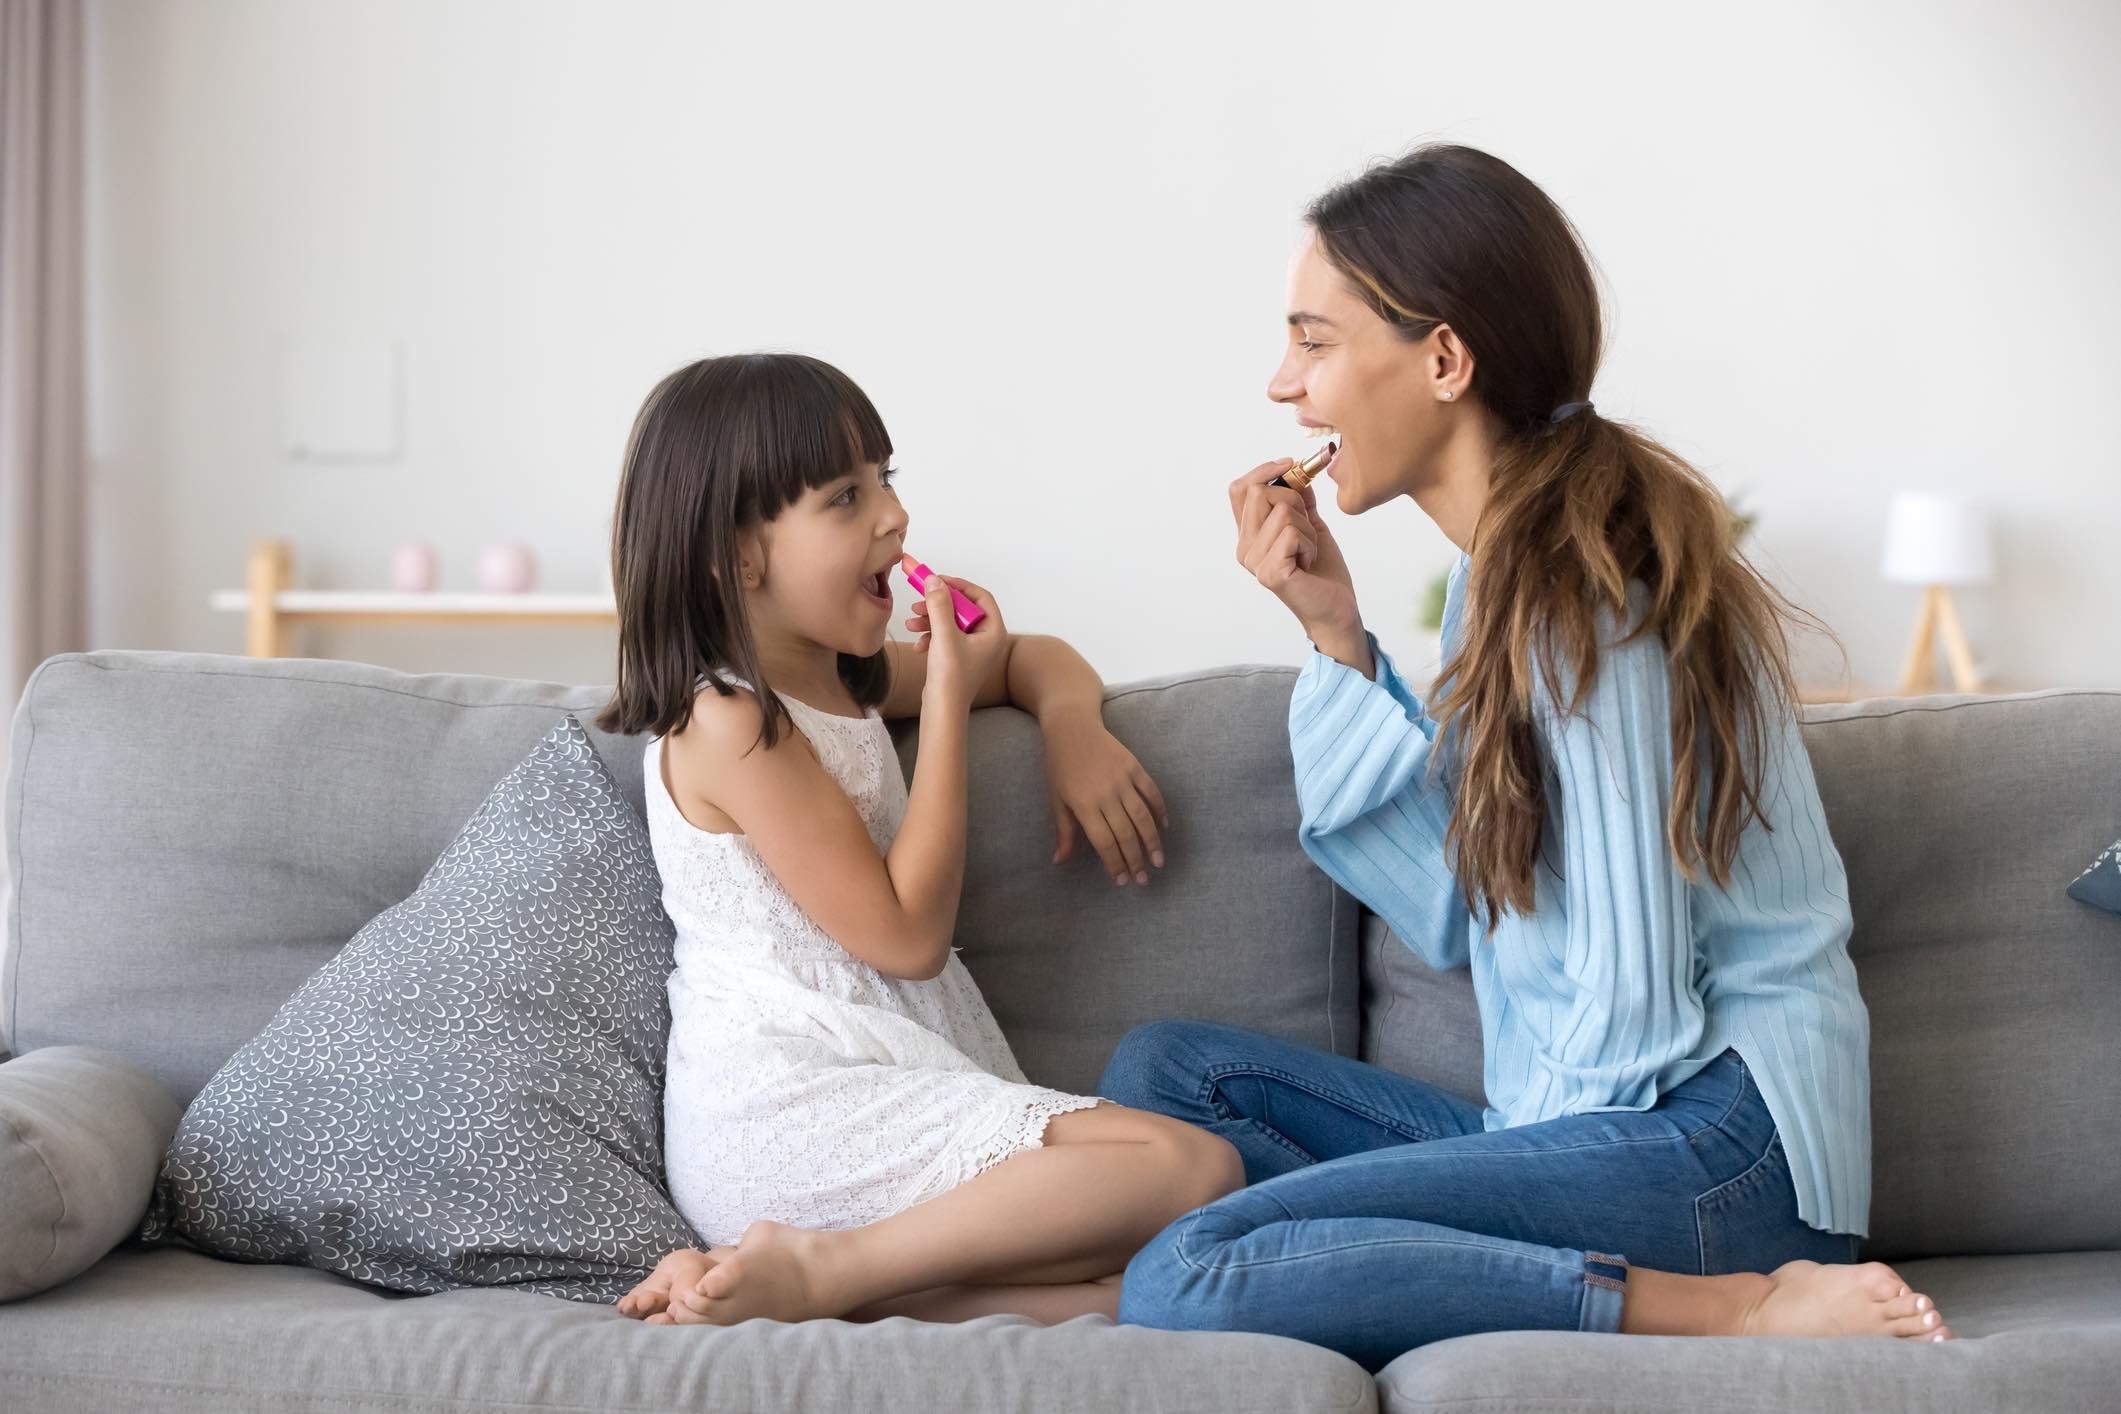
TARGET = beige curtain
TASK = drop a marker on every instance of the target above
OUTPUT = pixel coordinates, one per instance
(43, 537)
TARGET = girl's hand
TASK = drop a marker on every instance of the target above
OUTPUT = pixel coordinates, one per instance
(1284, 543)
(958, 662)
(1097, 786)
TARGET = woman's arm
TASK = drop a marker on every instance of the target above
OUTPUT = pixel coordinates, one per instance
(1372, 816)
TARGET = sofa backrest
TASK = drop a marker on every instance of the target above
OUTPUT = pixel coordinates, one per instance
(1995, 1072)
(191, 836)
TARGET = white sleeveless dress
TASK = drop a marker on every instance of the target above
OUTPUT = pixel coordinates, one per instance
(805, 1086)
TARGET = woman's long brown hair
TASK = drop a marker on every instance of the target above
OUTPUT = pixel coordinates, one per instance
(1575, 511)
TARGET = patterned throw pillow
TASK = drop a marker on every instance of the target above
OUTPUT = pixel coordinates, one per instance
(470, 1093)
(2101, 884)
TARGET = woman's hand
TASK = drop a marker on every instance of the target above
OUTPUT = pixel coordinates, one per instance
(1284, 543)
(958, 662)
(1098, 788)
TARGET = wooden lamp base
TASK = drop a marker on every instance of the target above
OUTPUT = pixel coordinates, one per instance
(1938, 617)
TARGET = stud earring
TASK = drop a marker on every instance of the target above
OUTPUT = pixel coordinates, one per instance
(1448, 395)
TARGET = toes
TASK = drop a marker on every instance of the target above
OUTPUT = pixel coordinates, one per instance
(1881, 1281)
(1928, 1323)
(661, 1318)
(718, 1283)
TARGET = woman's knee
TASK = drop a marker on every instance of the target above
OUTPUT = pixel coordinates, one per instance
(1175, 1282)
(1161, 1066)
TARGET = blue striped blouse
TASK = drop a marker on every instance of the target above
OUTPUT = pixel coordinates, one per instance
(1625, 979)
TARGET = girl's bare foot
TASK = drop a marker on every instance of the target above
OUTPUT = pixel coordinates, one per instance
(776, 1273)
(679, 1271)
(1806, 1298)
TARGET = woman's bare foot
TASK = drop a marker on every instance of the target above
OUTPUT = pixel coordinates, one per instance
(1806, 1298)
(776, 1273)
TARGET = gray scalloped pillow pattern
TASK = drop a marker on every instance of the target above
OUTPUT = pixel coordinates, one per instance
(470, 1093)
(2100, 885)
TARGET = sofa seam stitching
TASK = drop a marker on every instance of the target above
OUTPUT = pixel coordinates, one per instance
(88, 662)
(17, 865)
(15, 1131)
(2051, 695)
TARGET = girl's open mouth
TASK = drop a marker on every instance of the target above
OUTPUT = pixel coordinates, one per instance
(878, 587)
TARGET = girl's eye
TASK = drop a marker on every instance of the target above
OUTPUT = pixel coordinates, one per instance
(1307, 345)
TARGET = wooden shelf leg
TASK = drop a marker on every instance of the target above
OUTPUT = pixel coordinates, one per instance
(271, 570)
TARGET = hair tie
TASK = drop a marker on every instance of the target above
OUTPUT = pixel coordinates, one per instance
(1569, 410)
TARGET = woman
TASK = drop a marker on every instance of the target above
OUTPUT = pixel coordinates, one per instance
(1606, 812)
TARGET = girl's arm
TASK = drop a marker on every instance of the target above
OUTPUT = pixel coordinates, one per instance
(1096, 786)
(896, 911)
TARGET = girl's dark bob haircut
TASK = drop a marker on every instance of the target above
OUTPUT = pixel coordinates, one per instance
(720, 446)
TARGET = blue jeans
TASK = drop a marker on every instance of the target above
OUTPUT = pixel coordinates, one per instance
(1382, 1216)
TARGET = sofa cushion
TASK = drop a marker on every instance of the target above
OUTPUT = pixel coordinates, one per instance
(1418, 1021)
(1240, 928)
(1991, 994)
(180, 1333)
(2041, 1332)
(470, 1093)
(192, 835)
(80, 1133)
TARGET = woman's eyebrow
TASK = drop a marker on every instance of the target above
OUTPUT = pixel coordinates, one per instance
(1300, 318)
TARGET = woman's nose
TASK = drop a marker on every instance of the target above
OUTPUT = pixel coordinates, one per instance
(1285, 386)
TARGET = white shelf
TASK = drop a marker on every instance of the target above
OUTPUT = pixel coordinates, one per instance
(335, 602)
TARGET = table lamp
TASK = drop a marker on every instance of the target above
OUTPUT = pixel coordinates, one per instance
(1935, 542)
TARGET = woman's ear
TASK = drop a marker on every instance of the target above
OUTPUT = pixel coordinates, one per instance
(1450, 363)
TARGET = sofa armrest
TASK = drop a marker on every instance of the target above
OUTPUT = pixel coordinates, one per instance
(81, 1137)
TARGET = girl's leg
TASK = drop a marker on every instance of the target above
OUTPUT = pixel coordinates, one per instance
(1073, 1211)
(1283, 1106)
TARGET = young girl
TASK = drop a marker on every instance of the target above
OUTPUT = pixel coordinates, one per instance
(843, 1118)
(1606, 812)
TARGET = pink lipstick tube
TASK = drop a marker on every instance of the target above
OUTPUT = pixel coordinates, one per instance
(963, 610)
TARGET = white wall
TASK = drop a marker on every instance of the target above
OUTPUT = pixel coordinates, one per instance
(1849, 248)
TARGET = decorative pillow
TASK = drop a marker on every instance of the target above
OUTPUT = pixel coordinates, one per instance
(2100, 885)
(80, 1132)
(470, 1093)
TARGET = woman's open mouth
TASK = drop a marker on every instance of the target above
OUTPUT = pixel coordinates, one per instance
(878, 588)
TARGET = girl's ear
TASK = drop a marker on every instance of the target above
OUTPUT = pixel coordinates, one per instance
(751, 559)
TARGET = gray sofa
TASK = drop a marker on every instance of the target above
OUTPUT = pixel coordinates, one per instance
(190, 836)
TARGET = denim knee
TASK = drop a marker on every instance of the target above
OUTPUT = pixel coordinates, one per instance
(1181, 1279)
(1153, 1290)
(1158, 1067)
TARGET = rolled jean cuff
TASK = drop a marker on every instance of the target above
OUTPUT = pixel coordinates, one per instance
(1605, 1286)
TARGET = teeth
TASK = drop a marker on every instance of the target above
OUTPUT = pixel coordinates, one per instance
(1319, 431)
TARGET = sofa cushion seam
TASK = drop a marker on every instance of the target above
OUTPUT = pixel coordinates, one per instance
(15, 1134)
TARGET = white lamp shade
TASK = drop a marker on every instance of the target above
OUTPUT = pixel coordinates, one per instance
(1933, 539)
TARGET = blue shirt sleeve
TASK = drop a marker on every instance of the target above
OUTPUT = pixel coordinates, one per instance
(1373, 815)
